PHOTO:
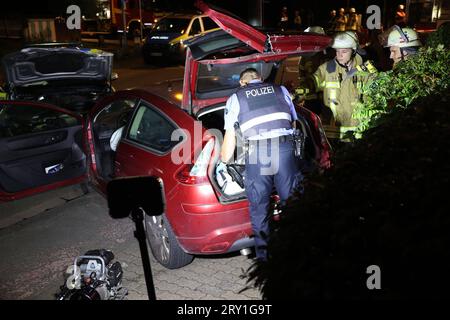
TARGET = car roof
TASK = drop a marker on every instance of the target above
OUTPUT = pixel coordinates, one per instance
(55, 45)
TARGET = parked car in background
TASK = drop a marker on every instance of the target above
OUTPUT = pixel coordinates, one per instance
(43, 146)
(66, 75)
(165, 42)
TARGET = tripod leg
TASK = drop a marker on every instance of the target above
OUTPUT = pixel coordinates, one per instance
(138, 218)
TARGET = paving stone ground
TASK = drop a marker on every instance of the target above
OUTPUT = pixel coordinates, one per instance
(36, 251)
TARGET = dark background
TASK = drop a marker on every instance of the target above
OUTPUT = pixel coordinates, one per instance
(312, 12)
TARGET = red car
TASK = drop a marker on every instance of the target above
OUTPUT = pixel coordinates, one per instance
(177, 142)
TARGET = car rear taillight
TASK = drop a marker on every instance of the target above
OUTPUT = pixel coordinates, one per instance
(198, 172)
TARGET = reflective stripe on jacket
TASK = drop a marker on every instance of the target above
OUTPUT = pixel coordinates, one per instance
(341, 92)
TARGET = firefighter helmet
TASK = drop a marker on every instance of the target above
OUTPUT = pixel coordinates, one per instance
(345, 40)
(403, 38)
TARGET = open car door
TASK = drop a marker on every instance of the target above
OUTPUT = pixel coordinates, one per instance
(41, 148)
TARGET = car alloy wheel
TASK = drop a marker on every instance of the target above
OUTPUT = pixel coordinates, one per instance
(158, 238)
(164, 244)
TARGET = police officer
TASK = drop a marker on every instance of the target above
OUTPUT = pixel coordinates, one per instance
(265, 115)
(341, 80)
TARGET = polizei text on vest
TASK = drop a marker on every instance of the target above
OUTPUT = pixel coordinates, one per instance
(259, 92)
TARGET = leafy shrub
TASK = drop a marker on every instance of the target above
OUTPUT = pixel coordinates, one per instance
(440, 37)
(423, 74)
(384, 203)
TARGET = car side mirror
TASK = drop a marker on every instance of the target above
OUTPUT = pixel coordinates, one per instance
(114, 76)
(128, 194)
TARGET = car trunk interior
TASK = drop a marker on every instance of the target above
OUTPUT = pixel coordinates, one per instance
(213, 118)
(72, 95)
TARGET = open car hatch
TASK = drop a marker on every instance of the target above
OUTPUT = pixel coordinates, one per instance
(261, 42)
(33, 65)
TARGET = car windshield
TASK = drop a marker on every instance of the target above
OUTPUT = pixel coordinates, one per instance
(178, 25)
(215, 79)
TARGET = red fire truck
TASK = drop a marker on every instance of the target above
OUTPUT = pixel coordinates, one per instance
(118, 16)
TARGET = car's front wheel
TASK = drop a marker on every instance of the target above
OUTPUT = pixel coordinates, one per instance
(164, 244)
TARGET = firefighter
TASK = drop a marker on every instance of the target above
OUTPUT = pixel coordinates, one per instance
(400, 16)
(332, 22)
(284, 19)
(403, 43)
(352, 21)
(307, 65)
(341, 20)
(265, 116)
(341, 80)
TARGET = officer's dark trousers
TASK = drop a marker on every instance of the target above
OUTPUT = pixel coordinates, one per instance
(273, 165)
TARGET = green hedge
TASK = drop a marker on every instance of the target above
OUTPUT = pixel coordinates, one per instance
(440, 36)
(422, 75)
(384, 202)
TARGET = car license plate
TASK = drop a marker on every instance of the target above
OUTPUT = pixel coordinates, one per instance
(156, 54)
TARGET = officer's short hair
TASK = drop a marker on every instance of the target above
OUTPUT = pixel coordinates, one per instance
(249, 74)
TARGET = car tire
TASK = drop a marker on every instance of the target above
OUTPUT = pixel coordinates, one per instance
(164, 244)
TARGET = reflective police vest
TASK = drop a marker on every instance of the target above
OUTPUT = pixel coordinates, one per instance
(262, 108)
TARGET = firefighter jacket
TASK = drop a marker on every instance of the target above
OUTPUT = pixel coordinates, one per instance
(307, 66)
(352, 22)
(341, 23)
(342, 90)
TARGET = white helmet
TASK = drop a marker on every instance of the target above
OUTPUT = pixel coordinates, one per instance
(403, 37)
(345, 40)
(315, 29)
